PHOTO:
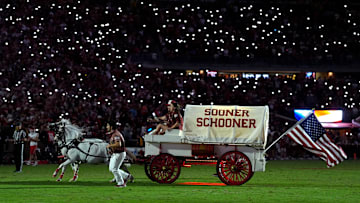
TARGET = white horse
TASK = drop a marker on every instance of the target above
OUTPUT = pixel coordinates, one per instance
(77, 150)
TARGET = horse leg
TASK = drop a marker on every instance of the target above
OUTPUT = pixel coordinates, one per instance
(75, 167)
(56, 172)
(76, 172)
(63, 168)
(62, 174)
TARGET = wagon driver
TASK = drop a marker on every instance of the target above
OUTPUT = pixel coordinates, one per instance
(172, 119)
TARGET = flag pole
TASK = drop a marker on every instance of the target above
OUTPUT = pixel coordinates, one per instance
(281, 136)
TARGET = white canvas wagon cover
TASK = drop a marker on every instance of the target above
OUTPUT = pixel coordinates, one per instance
(246, 125)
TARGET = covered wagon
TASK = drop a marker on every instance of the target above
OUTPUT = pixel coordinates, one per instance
(232, 136)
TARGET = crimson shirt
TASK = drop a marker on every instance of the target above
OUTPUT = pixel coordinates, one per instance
(115, 137)
(173, 117)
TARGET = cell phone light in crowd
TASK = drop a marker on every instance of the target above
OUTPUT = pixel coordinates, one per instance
(212, 73)
(310, 74)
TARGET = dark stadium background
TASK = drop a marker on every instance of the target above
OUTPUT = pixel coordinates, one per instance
(91, 61)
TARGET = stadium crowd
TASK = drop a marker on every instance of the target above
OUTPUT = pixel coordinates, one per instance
(241, 32)
(73, 59)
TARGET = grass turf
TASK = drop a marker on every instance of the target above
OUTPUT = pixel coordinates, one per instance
(283, 181)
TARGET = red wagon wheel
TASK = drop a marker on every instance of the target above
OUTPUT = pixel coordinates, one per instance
(234, 168)
(147, 168)
(164, 168)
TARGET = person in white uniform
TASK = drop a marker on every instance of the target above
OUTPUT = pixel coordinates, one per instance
(33, 138)
(118, 154)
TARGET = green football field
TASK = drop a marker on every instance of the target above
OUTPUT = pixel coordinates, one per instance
(283, 181)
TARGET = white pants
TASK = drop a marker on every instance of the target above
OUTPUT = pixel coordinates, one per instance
(114, 167)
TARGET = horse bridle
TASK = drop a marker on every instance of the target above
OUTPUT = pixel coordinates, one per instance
(63, 142)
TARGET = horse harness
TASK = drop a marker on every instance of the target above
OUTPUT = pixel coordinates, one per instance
(88, 153)
(74, 144)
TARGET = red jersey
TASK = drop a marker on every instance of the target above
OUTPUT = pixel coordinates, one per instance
(172, 118)
(116, 136)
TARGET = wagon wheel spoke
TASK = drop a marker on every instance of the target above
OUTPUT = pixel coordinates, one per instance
(241, 176)
(236, 177)
(233, 177)
(226, 170)
(241, 164)
(162, 176)
(231, 160)
(244, 172)
(225, 174)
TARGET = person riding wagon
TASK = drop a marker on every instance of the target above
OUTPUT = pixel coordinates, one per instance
(171, 120)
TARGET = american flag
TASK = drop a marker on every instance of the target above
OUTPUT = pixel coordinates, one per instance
(312, 136)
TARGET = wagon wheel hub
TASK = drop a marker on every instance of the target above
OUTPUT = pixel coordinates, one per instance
(233, 168)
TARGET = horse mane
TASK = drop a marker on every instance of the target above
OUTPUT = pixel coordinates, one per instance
(72, 130)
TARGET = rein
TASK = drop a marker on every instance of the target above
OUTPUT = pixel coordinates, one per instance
(87, 153)
(72, 144)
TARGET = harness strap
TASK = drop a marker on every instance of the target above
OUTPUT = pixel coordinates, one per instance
(87, 154)
(74, 144)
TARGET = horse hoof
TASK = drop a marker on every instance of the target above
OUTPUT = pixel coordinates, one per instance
(58, 180)
(55, 173)
(73, 179)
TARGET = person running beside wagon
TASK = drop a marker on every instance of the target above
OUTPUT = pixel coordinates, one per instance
(118, 154)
